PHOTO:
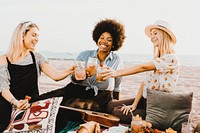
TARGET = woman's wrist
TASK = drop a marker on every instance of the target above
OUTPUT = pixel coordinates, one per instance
(68, 72)
(117, 73)
(133, 105)
(14, 101)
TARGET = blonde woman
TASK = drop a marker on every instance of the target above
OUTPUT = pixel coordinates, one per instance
(19, 71)
(163, 70)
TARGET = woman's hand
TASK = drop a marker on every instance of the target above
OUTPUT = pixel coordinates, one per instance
(127, 108)
(22, 104)
(91, 70)
(109, 73)
(101, 73)
(72, 69)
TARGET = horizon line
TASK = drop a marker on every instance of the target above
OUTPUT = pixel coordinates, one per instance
(2, 51)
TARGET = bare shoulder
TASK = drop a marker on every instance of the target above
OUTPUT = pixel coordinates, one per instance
(3, 60)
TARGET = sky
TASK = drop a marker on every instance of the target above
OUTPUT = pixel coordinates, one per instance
(67, 25)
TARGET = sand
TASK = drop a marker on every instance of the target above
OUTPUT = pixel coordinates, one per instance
(189, 81)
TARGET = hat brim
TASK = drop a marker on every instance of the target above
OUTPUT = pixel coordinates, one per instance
(171, 34)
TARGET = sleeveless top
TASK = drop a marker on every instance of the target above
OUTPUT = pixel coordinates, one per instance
(24, 81)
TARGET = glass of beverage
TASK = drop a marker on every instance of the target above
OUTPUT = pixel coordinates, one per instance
(136, 124)
(99, 76)
(80, 73)
(186, 128)
(92, 66)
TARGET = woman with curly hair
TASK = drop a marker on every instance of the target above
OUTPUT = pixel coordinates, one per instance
(109, 36)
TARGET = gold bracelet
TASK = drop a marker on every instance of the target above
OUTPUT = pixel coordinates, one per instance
(12, 100)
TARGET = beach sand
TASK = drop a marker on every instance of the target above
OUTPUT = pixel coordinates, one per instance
(189, 81)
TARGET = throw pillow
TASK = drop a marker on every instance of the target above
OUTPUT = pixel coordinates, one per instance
(166, 110)
(40, 117)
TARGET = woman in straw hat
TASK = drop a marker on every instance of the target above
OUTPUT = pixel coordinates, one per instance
(163, 69)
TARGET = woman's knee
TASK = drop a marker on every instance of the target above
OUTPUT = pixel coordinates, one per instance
(127, 118)
(115, 103)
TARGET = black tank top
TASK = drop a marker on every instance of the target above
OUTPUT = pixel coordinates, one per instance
(23, 81)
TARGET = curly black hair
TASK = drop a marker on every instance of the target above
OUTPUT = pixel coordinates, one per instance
(114, 28)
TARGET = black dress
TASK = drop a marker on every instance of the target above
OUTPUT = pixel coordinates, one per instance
(23, 81)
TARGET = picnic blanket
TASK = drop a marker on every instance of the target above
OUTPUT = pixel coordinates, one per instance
(73, 126)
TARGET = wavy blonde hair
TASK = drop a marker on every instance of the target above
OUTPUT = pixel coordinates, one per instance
(166, 47)
(16, 47)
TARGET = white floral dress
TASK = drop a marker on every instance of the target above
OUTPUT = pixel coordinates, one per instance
(165, 77)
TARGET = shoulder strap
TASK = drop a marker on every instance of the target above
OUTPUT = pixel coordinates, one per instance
(33, 56)
(8, 60)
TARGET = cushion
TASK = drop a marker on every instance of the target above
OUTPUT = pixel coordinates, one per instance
(166, 110)
(40, 117)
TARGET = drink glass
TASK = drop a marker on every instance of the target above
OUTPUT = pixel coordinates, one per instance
(136, 124)
(99, 76)
(80, 73)
(92, 66)
(186, 128)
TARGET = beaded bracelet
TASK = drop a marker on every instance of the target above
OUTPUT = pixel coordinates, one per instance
(12, 100)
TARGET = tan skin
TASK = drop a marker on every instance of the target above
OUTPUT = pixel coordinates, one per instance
(30, 40)
(156, 40)
(89, 127)
(104, 44)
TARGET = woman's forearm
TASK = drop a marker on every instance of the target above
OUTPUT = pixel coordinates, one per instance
(129, 71)
(9, 96)
(136, 69)
(139, 96)
(59, 75)
(56, 74)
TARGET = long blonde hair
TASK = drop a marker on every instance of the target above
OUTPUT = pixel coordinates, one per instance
(16, 47)
(166, 47)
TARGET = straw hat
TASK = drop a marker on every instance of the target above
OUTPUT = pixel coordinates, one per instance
(163, 25)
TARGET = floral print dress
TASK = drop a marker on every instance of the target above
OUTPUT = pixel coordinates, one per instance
(165, 77)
